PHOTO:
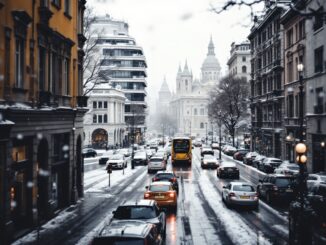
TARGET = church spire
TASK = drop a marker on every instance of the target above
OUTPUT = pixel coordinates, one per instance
(186, 67)
(211, 47)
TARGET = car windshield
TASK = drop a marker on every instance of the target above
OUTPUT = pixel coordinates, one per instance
(156, 160)
(247, 188)
(140, 154)
(116, 157)
(181, 145)
(159, 188)
(210, 157)
(164, 176)
(283, 182)
(136, 212)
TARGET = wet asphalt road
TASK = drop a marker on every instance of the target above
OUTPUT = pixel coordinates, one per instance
(201, 217)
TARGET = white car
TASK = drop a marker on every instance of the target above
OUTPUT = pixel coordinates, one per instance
(241, 194)
(117, 161)
(287, 169)
(156, 163)
(315, 179)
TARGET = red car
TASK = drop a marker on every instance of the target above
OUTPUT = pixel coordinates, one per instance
(239, 155)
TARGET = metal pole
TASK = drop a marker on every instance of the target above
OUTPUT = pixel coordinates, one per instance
(132, 139)
(220, 129)
(206, 132)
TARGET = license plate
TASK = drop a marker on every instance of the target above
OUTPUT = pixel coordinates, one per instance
(244, 197)
(159, 197)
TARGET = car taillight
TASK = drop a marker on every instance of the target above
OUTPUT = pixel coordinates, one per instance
(231, 194)
(155, 179)
(147, 195)
(171, 194)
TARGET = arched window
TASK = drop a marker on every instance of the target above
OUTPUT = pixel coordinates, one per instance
(201, 125)
(202, 111)
(244, 69)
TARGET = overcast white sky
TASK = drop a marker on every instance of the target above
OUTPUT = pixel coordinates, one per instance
(171, 31)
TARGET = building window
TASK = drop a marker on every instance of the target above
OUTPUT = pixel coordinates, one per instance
(195, 111)
(289, 37)
(319, 59)
(99, 118)
(244, 69)
(94, 104)
(319, 20)
(319, 100)
(201, 125)
(42, 63)
(290, 71)
(302, 30)
(244, 58)
(202, 111)
(105, 118)
(66, 77)
(290, 106)
(56, 3)
(94, 118)
(67, 7)
(19, 62)
(100, 104)
(297, 106)
(105, 104)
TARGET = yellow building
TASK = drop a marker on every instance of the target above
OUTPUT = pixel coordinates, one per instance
(41, 110)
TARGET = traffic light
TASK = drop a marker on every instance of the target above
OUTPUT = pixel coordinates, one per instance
(109, 169)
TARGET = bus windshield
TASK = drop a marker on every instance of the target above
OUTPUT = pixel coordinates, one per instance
(181, 146)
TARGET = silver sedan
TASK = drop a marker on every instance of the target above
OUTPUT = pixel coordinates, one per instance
(240, 193)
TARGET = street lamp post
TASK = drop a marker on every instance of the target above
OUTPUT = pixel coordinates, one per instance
(132, 139)
(220, 137)
(206, 132)
(163, 134)
(301, 159)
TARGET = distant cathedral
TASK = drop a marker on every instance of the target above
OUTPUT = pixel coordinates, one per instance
(189, 105)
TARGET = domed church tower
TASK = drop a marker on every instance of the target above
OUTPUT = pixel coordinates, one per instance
(211, 69)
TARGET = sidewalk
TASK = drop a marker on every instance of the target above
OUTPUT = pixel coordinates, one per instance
(83, 209)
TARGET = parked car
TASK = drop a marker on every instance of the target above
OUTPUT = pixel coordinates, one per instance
(125, 151)
(257, 161)
(277, 187)
(269, 164)
(250, 157)
(167, 176)
(131, 232)
(240, 193)
(239, 154)
(89, 152)
(156, 162)
(140, 158)
(228, 170)
(206, 151)
(154, 146)
(314, 219)
(117, 161)
(106, 156)
(287, 169)
(163, 193)
(229, 150)
(316, 178)
(209, 161)
(215, 146)
(145, 210)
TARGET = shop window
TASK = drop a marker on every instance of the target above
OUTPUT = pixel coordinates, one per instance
(319, 20)
(100, 104)
(201, 125)
(19, 153)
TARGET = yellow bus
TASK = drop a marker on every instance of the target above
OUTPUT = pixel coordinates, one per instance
(181, 150)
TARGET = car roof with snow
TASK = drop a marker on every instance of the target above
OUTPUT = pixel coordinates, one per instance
(161, 183)
(228, 164)
(141, 202)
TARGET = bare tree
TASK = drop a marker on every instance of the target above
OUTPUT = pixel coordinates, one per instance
(298, 6)
(228, 103)
(92, 58)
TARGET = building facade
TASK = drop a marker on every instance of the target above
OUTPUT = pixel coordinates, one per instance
(267, 92)
(41, 108)
(104, 124)
(123, 65)
(294, 44)
(315, 80)
(189, 105)
(239, 61)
